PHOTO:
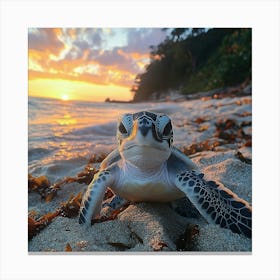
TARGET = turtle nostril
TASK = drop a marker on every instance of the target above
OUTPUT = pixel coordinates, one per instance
(144, 130)
(144, 122)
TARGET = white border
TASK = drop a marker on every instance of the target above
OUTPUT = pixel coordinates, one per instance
(262, 16)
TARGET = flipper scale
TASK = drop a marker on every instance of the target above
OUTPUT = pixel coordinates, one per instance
(217, 204)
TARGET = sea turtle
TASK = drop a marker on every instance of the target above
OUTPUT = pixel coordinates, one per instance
(147, 167)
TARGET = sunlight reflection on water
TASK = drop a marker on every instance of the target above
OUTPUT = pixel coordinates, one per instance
(61, 132)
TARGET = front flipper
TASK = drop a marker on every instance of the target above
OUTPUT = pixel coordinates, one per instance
(92, 199)
(217, 204)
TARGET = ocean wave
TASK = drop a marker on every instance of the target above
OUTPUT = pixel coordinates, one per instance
(38, 153)
(107, 129)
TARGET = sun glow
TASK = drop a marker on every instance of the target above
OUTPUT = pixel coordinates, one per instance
(75, 90)
(65, 97)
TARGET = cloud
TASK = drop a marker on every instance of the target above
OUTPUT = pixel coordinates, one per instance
(139, 40)
(88, 38)
(94, 55)
(45, 40)
(118, 59)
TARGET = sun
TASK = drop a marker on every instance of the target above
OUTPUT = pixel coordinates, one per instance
(65, 97)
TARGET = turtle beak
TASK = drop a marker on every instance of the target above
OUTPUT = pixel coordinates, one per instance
(144, 125)
(144, 130)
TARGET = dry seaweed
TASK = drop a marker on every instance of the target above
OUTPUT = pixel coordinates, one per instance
(47, 191)
(68, 209)
(71, 207)
(35, 226)
(108, 194)
(200, 120)
(244, 114)
(97, 158)
(113, 215)
(240, 156)
(42, 186)
(203, 128)
(230, 131)
(84, 177)
(248, 143)
(207, 145)
(159, 246)
(119, 246)
(81, 245)
(68, 248)
(246, 123)
(135, 236)
(186, 241)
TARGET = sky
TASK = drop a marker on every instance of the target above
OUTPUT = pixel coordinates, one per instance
(88, 63)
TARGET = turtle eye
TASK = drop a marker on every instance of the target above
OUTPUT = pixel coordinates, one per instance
(167, 129)
(122, 129)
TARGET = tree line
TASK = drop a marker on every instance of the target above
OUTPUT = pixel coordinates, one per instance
(196, 59)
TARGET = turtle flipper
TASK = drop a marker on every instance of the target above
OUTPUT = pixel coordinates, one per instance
(216, 203)
(92, 199)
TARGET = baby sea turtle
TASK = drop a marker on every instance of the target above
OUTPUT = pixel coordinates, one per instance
(147, 167)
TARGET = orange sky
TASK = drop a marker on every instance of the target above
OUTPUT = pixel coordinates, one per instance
(88, 63)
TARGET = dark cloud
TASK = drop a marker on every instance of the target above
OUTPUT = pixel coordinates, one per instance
(118, 58)
(96, 39)
(45, 39)
(110, 57)
(140, 39)
(88, 38)
(88, 46)
(74, 54)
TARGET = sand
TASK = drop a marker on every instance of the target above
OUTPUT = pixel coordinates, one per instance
(154, 227)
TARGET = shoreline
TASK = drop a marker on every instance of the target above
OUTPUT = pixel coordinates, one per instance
(219, 142)
(240, 90)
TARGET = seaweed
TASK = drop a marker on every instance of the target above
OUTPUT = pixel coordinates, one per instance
(119, 246)
(108, 194)
(71, 207)
(113, 215)
(84, 177)
(230, 130)
(47, 191)
(186, 241)
(68, 209)
(42, 186)
(203, 128)
(159, 246)
(97, 158)
(207, 145)
(35, 226)
(68, 248)
(200, 120)
(240, 156)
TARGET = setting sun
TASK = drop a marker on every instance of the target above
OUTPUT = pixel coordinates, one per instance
(65, 97)
(92, 64)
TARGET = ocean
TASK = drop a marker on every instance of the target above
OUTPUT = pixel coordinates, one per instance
(64, 135)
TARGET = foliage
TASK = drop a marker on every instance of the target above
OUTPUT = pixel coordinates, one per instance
(196, 59)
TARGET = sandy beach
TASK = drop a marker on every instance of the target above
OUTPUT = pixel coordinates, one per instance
(214, 133)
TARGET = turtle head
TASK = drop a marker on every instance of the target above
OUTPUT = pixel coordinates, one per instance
(145, 138)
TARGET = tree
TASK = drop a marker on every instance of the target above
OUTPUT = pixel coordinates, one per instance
(195, 56)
